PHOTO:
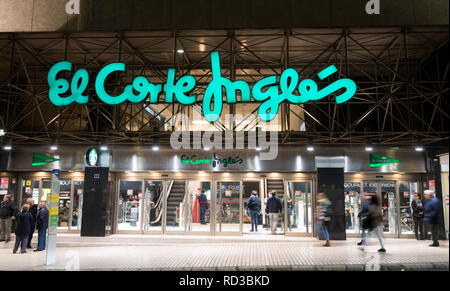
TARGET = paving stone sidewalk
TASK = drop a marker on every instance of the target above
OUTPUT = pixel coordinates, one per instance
(154, 253)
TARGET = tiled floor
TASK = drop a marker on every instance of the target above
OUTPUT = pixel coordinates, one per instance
(176, 252)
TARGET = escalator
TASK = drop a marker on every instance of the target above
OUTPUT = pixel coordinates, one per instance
(174, 201)
(276, 185)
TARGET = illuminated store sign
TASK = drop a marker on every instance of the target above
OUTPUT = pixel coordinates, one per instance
(378, 161)
(92, 157)
(215, 161)
(40, 160)
(266, 90)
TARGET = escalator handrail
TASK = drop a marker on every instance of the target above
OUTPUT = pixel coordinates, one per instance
(161, 212)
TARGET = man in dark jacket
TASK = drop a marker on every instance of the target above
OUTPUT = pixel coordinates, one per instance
(363, 215)
(33, 211)
(273, 208)
(254, 208)
(203, 201)
(24, 225)
(8, 212)
(432, 212)
(417, 208)
(42, 225)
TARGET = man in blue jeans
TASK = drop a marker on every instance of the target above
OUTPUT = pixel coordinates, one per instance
(41, 226)
(254, 208)
(432, 212)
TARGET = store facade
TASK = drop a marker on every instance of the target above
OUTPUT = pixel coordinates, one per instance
(158, 192)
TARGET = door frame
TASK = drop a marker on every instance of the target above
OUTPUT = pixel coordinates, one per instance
(214, 201)
(309, 233)
(144, 214)
(119, 231)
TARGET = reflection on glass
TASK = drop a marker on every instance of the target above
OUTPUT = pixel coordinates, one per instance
(228, 207)
(370, 187)
(352, 206)
(77, 204)
(30, 189)
(406, 193)
(130, 194)
(46, 191)
(389, 207)
(299, 207)
(153, 205)
(64, 204)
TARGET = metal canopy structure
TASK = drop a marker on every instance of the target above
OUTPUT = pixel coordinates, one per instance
(401, 74)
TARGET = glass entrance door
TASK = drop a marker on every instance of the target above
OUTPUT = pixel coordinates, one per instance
(387, 197)
(389, 207)
(199, 210)
(298, 207)
(352, 206)
(228, 207)
(129, 206)
(406, 192)
(154, 202)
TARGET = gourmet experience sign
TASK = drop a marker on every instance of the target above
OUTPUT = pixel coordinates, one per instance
(269, 91)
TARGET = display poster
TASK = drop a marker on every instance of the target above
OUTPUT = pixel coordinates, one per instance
(80, 192)
(4, 183)
(298, 193)
(35, 195)
(28, 190)
(228, 193)
(28, 183)
(431, 184)
(3, 192)
(406, 194)
(130, 192)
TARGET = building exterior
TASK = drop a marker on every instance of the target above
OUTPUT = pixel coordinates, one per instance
(399, 66)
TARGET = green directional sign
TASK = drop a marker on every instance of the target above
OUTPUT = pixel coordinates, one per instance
(39, 160)
(378, 161)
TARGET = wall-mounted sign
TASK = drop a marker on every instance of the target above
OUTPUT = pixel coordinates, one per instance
(271, 91)
(92, 157)
(39, 160)
(215, 161)
(378, 161)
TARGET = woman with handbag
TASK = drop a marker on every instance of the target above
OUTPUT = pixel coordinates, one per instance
(372, 223)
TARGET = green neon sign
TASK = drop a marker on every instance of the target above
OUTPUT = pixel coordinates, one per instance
(215, 161)
(267, 90)
(378, 161)
(39, 160)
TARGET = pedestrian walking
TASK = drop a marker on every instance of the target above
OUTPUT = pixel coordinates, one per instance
(418, 214)
(324, 212)
(273, 208)
(432, 215)
(42, 225)
(8, 212)
(254, 208)
(33, 211)
(372, 223)
(363, 215)
(24, 225)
